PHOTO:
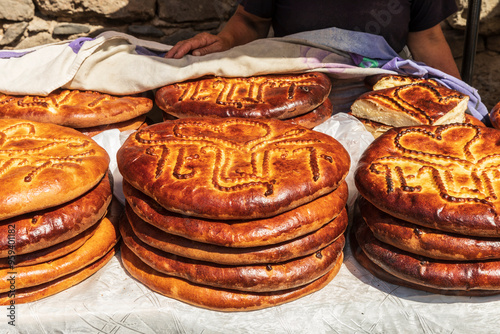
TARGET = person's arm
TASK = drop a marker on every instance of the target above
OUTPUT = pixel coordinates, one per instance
(241, 28)
(430, 47)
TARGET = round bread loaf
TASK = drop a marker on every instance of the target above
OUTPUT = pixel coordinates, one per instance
(380, 273)
(50, 253)
(315, 117)
(43, 165)
(495, 116)
(269, 96)
(74, 108)
(443, 177)
(41, 229)
(425, 241)
(257, 278)
(232, 168)
(248, 233)
(216, 298)
(102, 241)
(170, 243)
(31, 294)
(436, 274)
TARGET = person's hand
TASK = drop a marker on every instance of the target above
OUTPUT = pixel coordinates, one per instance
(199, 45)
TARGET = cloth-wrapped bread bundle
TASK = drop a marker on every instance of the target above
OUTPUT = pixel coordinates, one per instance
(233, 214)
(57, 228)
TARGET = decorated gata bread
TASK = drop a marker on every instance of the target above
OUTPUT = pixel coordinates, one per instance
(232, 168)
(413, 104)
(41, 229)
(135, 227)
(240, 233)
(279, 96)
(443, 177)
(44, 278)
(425, 241)
(263, 277)
(74, 108)
(218, 298)
(104, 238)
(360, 254)
(436, 274)
(44, 165)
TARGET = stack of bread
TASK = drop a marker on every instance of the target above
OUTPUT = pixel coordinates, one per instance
(233, 214)
(495, 116)
(55, 228)
(300, 99)
(397, 101)
(429, 208)
(88, 111)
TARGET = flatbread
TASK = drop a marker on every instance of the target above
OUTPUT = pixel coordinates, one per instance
(414, 104)
(232, 168)
(42, 229)
(315, 117)
(443, 177)
(249, 233)
(256, 278)
(268, 96)
(284, 251)
(214, 298)
(104, 239)
(380, 273)
(50, 253)
(74, 108)
(436, 274)
(425, 241)
(31, 294)
(43, 165)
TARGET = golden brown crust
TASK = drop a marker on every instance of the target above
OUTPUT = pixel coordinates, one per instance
(42, 229)
(443, 177)
(132, 124)
(382, 81)
(216, 298)
(425, 241)
(31, 294)
(448, 275)
(44, 165)
(414, 104)
(495, 116)
(74, 108)
(270, 96)
(315, 117)
(267, 231)
(232, 168)
(257, 277)
(300, 246)
(104, 239)
(469, 119)
(50, 253)
(380, 273)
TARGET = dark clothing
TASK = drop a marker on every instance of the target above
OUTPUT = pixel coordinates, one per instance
(392, 19)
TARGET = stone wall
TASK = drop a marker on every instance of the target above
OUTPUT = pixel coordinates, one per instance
(26, 23)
